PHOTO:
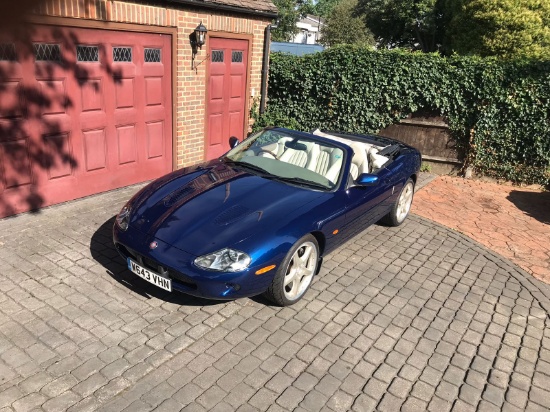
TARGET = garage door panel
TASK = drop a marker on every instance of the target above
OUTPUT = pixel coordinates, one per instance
(95, 149)
(155, 139)
(58, 166)
(216, 88)
(54, 93)
(153, 91)
(11, 101)
(237, 85)
(50, 124)
(235, 123)
(125, 116)
(215, 128)
(153, 113)
(124, 92)
(92, 95)
(127, 144)
(93, 120)
(16, 164)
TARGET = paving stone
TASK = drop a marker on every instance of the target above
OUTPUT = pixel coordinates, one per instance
(263, 399)
(438, 404)
(290, 398)
(58, 386)
(364, 403)
(35, 382)
(279, 382)
(61, 402)
(90, 385)
(390, 402)
(10, 395)
(187, 393)
(113, 388)
(158, 394)
(314, 400)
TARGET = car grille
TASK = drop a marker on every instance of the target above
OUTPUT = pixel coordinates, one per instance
(155, 266)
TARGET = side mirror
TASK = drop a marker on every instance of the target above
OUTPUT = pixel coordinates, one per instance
(233, 142)
(367, 179)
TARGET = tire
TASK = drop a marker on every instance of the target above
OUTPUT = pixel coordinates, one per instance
(295, 272)
(402, 206)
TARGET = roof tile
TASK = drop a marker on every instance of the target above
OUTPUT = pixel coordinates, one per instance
(259, 5)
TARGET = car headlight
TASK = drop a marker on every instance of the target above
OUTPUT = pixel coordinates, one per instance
(225, 260)
(123, 218)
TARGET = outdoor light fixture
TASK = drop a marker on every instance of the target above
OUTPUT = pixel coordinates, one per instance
(200, 35)
(197, 40)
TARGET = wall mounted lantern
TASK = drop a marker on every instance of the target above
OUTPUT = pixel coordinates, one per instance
(200, 35)
(197, 40)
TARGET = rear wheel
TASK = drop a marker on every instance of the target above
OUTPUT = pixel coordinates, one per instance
(400, 209)
(295, 274)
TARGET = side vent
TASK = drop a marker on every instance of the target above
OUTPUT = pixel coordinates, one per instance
(176, 196)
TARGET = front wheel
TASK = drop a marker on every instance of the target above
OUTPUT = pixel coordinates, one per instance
(400, 209)
(296, 272)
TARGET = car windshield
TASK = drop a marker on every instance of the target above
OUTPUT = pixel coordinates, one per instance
(294, 159)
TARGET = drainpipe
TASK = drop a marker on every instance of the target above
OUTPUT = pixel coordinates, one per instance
(265, 66)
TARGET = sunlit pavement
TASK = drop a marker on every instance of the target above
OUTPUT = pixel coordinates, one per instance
(418, 317)
(512, 221)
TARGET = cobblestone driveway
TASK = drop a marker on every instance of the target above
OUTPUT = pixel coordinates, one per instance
(418, 317)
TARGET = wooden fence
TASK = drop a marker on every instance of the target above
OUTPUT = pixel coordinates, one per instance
(429, 134)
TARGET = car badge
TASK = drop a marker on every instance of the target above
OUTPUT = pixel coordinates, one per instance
(153, 245)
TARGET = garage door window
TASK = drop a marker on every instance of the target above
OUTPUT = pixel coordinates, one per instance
(122, 54)
(217, 56)
(87, 53)
(7, 52)
(237, 56)
(152, 55)
(44, 52)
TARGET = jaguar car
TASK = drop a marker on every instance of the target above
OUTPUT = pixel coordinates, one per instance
(259, 219)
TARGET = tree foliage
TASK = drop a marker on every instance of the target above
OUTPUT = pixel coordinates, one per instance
(290, 11)
(343, 26)
(413, 24)
(498, 110)
(323, 8)
(506, 28)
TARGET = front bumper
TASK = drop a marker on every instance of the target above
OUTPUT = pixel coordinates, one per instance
(186, 277)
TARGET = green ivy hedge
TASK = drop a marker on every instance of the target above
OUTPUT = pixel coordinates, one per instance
(498, 111)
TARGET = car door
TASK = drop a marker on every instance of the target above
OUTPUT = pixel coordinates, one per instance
(395, 176)
(365, 204)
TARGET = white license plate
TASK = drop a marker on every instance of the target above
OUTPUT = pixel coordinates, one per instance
(149, 276)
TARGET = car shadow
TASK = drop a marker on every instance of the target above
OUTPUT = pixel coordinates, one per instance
(534, 204)
(104, 252)
(262, 300)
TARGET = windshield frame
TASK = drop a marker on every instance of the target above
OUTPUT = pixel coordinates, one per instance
(347, 153)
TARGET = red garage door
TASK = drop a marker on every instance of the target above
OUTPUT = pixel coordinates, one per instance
(226, 108)
(81, 111)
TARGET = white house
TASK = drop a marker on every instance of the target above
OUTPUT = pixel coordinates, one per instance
(310, 30)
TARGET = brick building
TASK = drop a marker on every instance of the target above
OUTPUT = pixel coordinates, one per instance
(99, 94)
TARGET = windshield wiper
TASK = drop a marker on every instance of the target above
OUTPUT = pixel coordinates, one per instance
(248, 166)
(301, 182)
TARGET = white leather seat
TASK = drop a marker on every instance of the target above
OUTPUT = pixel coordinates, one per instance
(359, 161)
(376, 160)
(328, 163)
(302, 158)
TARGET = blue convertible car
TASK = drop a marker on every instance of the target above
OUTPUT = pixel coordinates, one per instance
(260, 218)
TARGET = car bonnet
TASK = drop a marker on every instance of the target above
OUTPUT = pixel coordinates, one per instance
(218, 208)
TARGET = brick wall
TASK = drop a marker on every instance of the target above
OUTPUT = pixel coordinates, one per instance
(191, 85)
